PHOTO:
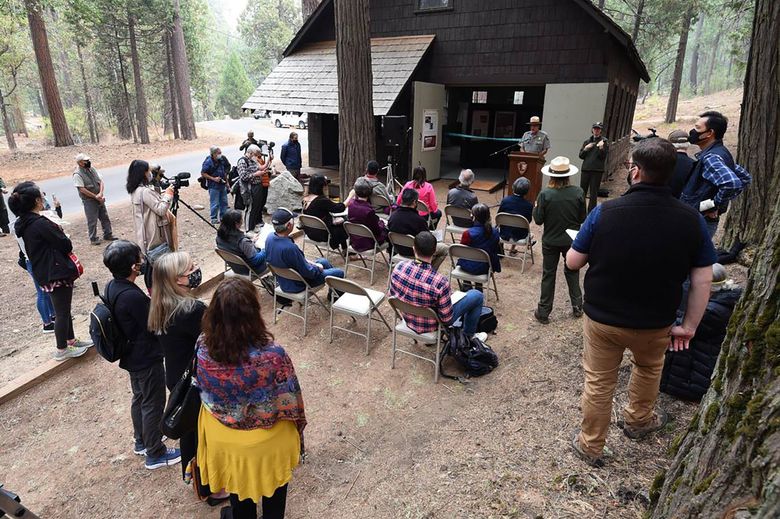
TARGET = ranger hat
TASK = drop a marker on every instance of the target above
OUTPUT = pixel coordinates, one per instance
(560, 167)
(534, 120)
(82, 156)
(598, 125)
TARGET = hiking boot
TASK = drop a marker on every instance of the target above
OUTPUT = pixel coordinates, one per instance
(541, 318)
(168, 458)
(110, 237)
(70, 352)
(593, 461)
(48, 328)
(482, 336)
(139, 449)
(659, 421)
(576, 311)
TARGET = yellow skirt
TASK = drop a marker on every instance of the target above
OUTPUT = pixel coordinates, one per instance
(251, 463)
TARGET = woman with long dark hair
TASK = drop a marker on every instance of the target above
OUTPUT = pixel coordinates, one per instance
(49, 251)
(319, 205)
(426, 194)
(481, 235)
(250, 428)
(232, 239)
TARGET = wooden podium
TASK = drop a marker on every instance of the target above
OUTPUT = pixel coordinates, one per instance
(533, 172)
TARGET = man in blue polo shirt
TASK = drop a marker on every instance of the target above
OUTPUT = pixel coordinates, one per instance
(640, 249)
(282, 252)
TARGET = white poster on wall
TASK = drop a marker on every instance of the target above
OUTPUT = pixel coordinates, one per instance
(430, 130)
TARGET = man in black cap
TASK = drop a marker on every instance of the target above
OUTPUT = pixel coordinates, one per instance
(282, 252)
(594, 155)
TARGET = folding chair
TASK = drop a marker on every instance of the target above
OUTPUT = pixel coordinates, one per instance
(308, 222)
(232, 261)
(355, 301)
(302, 298)
(451, 211)
(356, 229)
(396, 239)
(422, 206)
(515, 221)
(399, 309)
(457, 252)
(379, 203)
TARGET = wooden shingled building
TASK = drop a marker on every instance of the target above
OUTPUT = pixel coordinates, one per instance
(467, 75)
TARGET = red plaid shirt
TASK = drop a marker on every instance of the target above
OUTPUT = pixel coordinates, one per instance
(419, 284)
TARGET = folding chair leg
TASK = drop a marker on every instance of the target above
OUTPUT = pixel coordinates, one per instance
(373, 267)
(346, 264)
(275, 308)
(368, 334)
(305, 311)
(383, 318)
(331, 322)
(495, 286)
(438, 358)
(395, 338)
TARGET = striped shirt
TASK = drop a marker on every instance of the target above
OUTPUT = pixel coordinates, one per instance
(420, 285)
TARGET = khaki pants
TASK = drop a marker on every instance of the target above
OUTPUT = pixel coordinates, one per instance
(604, 347)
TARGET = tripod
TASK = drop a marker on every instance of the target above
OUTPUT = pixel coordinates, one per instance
(175, 207)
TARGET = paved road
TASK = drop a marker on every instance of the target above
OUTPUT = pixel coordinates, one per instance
(116, 176)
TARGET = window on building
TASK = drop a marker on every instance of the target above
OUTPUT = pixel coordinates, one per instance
(518, 97)
(432, 5)
(479, 96)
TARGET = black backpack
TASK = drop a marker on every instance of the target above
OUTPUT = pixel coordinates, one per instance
(475, 357)
(109, 340)
(488, 322)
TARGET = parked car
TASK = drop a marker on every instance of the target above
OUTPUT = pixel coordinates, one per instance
(296, 119)
(260, 114)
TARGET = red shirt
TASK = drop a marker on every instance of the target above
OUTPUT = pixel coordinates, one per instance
(419, 284)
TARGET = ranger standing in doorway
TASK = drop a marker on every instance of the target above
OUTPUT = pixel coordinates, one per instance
(535, 140)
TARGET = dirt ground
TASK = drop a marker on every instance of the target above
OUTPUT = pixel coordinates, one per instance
(381, 443)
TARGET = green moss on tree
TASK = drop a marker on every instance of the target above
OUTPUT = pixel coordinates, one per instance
(704, 484)
(655, 488)
(709, 416)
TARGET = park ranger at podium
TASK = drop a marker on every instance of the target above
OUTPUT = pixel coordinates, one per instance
(535, 140)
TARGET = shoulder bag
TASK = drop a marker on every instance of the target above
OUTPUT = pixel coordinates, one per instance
(181, 413)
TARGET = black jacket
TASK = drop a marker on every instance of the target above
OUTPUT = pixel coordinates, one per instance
(687, 373)
(178, 343)
(682, 172)
(594, 158)
(131, 309)
(47, 248)
(322, 207)
(406, 220)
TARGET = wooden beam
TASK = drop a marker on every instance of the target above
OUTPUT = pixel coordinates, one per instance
(37, 375)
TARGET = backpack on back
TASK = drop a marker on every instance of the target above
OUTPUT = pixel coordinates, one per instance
(104, 331)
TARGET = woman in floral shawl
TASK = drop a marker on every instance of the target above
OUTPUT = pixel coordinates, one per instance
(250, 430)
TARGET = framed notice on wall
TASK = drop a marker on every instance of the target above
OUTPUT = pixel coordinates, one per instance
(480, 121)
(430, 130)
(504, 125)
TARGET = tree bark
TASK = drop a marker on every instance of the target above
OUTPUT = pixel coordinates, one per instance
(674, 93)
(19, 125)
(171, 86)
(40, 41)
(355, 82)
(694, 73)
(638, 20)
(93, 131)
(7, 127)
(141, 116)
(123, 77)
(182, 69)
(728, 463)
(758, 130)
(601, 4)
(308, 7)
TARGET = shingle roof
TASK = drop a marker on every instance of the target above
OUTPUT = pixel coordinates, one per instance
(306, 81)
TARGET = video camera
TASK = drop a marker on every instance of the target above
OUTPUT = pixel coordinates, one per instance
(178, 181)
(270, 149)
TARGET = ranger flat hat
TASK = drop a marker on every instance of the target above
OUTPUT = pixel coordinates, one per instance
(598, 125)
(560, 167)
(82, 156)
(534, 120)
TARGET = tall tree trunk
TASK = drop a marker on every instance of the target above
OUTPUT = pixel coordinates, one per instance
(713, 61)
(19, 125)
(123, 78)
(728, 463)
(674, 94)
(40, 98)
(694, 75)
(601, 4)
(40, 41)
(7, 126)
(355, 81)
(140, 97)
(171, 87)
(181, 66)
(67, 83)
(638, 20)
(93, 132)
(308, 7)
(758, 129)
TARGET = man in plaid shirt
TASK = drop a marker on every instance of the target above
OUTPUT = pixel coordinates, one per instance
(418, 283)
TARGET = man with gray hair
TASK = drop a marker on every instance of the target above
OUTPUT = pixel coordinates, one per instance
(89, 184)
(254, 177)
(462, 196)
(214, 174)
(684, 164)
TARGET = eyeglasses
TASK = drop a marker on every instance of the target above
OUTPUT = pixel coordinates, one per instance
(630, 165)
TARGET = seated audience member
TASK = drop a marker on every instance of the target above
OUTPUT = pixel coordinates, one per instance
(426, 193)
(516, 204)
(418, 283)
(319, 205)
(377, 187)
(360, 211)
(282, 252)
(687, 373)
(144, 356)
(406, 220)
(481, 235)
(252, 417)
(462, 196)
(232, 239)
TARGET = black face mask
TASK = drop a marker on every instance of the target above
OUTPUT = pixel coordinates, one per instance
(87, 164)
(195, 278)
(694, 137)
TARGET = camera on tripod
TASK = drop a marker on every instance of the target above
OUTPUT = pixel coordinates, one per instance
(178, 181)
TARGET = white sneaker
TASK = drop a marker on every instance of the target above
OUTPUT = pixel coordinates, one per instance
(83, 344)
(70, 352)
(482, 336)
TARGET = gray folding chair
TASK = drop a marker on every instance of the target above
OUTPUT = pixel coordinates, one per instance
(396, 239)
(422, 206)
(515, 221)
(451, 211)
(379, 203)
(357, 229)
(399, 309)
(457, 252)
(233, 262)
(313, 223)
(302, 298)
(355, 301)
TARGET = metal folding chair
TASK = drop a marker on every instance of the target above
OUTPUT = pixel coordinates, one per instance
(457, 252)
(232, 261)
(379, 203)
(399, 309)
(451, 211)
(302, 298)
(313, 223)
(515, 221)
(357, 229)
(396, 239)
(355, 301)
(422, 206)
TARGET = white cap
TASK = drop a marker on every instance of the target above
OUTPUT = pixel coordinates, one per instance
(82, 156)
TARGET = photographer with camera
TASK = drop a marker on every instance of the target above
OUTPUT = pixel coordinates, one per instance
(152, 219)
(215, 171)
(254, 174)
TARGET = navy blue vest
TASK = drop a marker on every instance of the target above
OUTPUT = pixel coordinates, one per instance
(698, 189)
